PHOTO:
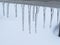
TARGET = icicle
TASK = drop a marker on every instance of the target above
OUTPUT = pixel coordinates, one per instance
(58, 22)
(16, 10)
(59, 29)
(7, 10)
(29, 17)
(3, 9)
(52, 11)
(36, 14)
(23, 17)
(57, 16)
(33, 12)
(44, 17)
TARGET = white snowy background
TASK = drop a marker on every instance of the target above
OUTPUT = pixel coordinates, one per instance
(11, 28)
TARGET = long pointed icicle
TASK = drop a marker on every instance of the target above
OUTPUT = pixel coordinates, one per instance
(7, 10)
(59, 29)
(33, 12)
(44, 17)
(16, 10)
(37, 10)
(57, 15)
(29, 17)
(3, 9)
(58, 21)
(52, 11)
(23, 17)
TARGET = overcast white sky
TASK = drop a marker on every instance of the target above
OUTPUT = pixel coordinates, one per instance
(11, 28)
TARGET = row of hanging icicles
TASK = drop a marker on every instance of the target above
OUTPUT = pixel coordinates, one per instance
(29, 15)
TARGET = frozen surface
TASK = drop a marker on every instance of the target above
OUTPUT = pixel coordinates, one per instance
(11, 28)
(48, 3)
(31, 0)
